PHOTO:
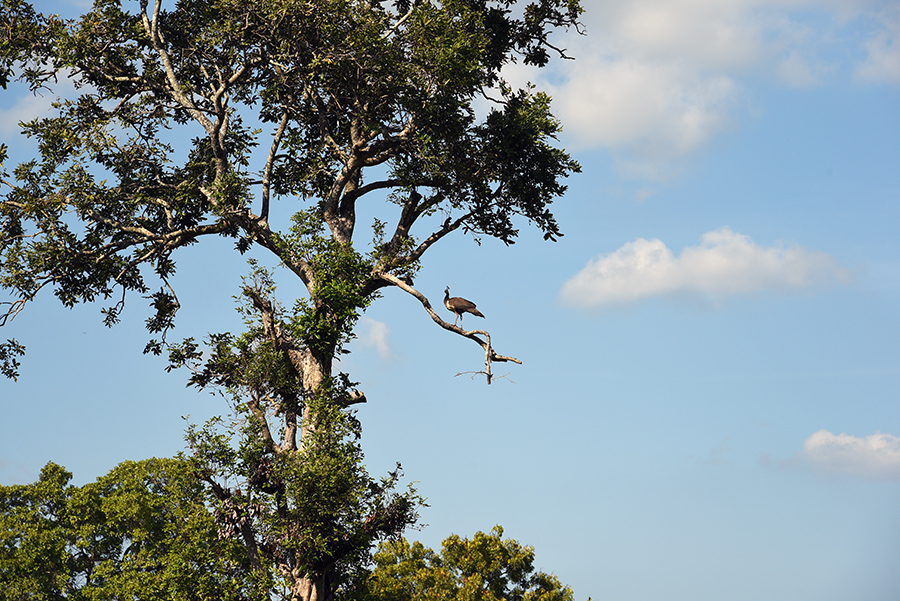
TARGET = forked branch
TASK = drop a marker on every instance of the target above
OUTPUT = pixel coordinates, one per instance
(490, 355)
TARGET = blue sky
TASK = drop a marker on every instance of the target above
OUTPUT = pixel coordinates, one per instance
(709, 402)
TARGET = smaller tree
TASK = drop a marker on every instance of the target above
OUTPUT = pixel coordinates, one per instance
(483, 568)
(140, 532)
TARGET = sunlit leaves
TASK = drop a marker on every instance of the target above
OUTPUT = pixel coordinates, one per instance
(483, 568)
(337, 273)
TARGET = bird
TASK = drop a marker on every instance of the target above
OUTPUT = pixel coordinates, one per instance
(459, 306)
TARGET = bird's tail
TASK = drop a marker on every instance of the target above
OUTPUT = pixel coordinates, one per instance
(476, 312)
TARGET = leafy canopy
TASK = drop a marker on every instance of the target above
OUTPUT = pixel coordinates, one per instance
(143, 531)
(483, 568)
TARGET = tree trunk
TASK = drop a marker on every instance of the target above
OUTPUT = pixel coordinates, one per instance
(306, 589)
(313, 370)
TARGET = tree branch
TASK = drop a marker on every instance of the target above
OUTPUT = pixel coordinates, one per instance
(400, 22)
(448, 227)
(353, 195)
(260, 233)
(289, 402)
(152, 30)
(258, 412)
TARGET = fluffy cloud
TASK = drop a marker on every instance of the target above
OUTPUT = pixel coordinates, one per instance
(655, 80)
(876, 456)
(723, 265)
(375, 334)
(657, 111)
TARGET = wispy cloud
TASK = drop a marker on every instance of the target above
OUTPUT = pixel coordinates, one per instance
(25, 109)
(725, 264)
(29, 106)
(882, 64)
(375, 334)
(717, 455)
(876, 456)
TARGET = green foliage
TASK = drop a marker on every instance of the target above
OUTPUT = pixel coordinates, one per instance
(20, 28)
(337, 275)
(151, 530)
(316, 510)
(483, 568)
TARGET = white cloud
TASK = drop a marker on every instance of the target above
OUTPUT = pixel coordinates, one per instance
(724, 264)
(654, 81)
(29, 105)
(876, 456)
(707, 33)
(655, 111)
(375, 334)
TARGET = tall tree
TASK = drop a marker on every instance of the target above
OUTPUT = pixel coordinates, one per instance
(316, 105)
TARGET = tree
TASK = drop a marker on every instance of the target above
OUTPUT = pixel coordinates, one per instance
(483, 568)
(296, 111)
(343, 86)
(300, 525)
(139, 532)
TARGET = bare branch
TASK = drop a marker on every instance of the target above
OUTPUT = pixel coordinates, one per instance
(15, 307)
(560, 51)
(270, 163)
(170, 239)
(481, 372)
(370, 187)
(489, 355)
